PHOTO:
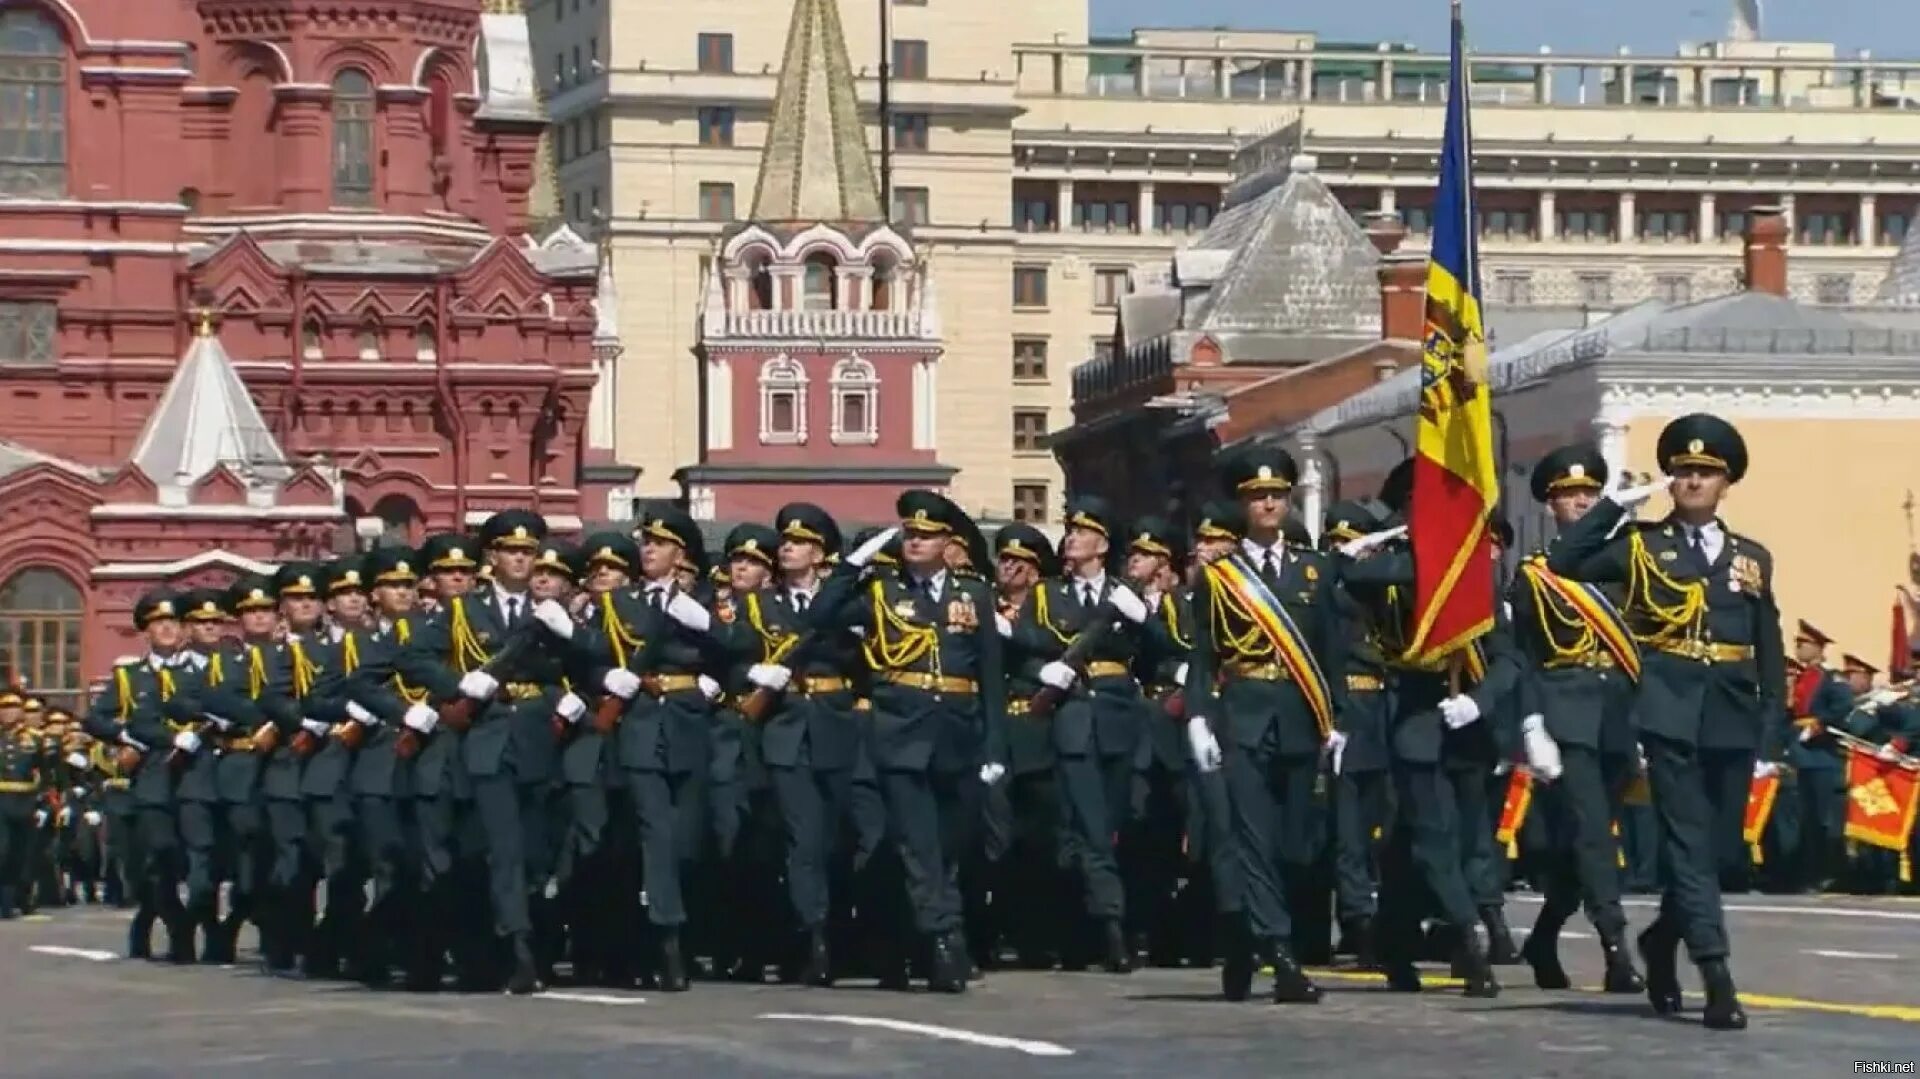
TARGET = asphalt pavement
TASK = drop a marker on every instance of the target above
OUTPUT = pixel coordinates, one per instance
(1829, 983)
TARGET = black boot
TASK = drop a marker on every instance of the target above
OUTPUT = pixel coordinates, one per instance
(819, 969)
(1620, 977)
(1236, 969)
(1475, 966)
(524, 980)
(1119, 957)
(948, 971)
(219, 947)
(1542, 953)
(1723, 1010)
(1500, 949)
(1291, 984)
(7, 908)
(673, 966)
(140, 935)
(1356, 939)
(1657, 950)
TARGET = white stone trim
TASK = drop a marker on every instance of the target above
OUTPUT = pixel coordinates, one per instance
(560, 522)
(348, 223)
(275, 513)
(783, 374)
(719, 403)
(1866, 400)
(110, 571)
(93, 205)
(854, 376)
(925, 403)
(88, 247)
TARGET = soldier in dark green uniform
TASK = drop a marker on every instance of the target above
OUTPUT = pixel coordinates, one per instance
(1578, 689)
(1818, 705)
(1700, 600)
(326, 743)
(19, 789)
(196, 785)
(1157, 864)
(939, 701)
(288, 906)
(1273, 706)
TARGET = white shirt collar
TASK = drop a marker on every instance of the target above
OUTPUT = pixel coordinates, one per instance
(1257, 552)
(935, 585)
(1098, 584)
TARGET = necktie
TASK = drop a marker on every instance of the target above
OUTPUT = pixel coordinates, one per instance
(1267, 567)
(513, 609)
(1086, 596)
(800, 601)
(657, 598)
(1697, 543)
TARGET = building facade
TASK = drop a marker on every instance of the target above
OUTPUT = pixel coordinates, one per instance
(1043, 171)
(267, 290)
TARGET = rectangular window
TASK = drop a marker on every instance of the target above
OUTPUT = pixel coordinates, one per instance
(1673, 288)
(716, 126)
(1733, 224)
(27, 333)
(1030, 503)
(716, 53)
(910, 131)
(1596, 288)
(1825, 229)
(1513, 288)
(783, 414)
(1182, 216)
(910, 206)
(1893, 229)
(1033, 215)
(1834, 288)
(1101, 348)
(716, 202)
(1029, 286)
(1029, 430)
(1586, 224)
(1029, 359)
(909, 59)
(1108, 287)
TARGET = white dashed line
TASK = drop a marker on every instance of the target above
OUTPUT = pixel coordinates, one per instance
(990, 1041)
(1836, 953)
(588, 998)
(1815, 909)
(92, 954)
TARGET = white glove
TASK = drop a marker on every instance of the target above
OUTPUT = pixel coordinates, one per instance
(992, 772)
(1543, 753)
(314, 727)
(1205, 747)
(864, 553)
(1459, 711)
(1354, 548)
(1807, 732)
(127, 739)
(39, 818)
(220, 723)
(555, 618)
(1887, 753)
(361, 715)
(92, 817)
(421, 718)
(1634, 496)
(1130, 606)
(1880, 698)
(77, 760)
(186, 742)
(1058, 675)
(66, 816)
(1336, 749)
(622, 683)
(1503, 768)
(479, 685)
(571, 707)
(1180, 675)
(770, 676)
(709, 688)
(687, 611)
(1000, 623)
(1763, 769)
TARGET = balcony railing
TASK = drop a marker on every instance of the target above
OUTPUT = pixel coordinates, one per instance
(813, 325)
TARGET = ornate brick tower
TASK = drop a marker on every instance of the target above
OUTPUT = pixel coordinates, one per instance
(819, 333)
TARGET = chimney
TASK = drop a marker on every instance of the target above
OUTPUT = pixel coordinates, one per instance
(1386, 231)
(1765, 257)
(1403, 297)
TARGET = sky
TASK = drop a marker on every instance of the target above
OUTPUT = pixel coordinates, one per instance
(1891, 28)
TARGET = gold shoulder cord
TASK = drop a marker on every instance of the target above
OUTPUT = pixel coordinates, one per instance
(304, 670)
(896, 643)
(1042, 612)
(1548, 614)
(123, 686)
(216, 671)
(1248, 643)
(403, 630)
(624, 641)
(774, 646)
(349, 652)
(467, 653)
(256, 671)
(1680, 618)
(1172, 612)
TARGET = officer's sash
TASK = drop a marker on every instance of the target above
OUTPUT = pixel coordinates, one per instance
(1234, 578)
(1596, 611)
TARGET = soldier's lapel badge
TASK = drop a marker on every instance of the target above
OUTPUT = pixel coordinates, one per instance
(1313, 573)
(1669, 555)
(905, 608)
(961, 616)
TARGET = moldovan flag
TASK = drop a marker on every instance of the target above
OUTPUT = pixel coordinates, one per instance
(1513, 810)
(1881, 799)
(1761, 794)
(1455, 477)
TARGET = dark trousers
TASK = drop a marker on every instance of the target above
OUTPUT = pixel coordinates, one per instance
(1695, 793)
(1483, 861)
(1582, 857)
(813, 806)
(1822, 794)
(1362, 802)
(199, 831)
(1155, 862)
(919, 806)
(160, 865)
(499, 800)
(287, 825)
(246, 852)
(16, 834)
(1423, 847)
(1271, 801)
(660, 802)
(1095, 792)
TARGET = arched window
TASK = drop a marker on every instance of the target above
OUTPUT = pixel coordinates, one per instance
(760, 289)
(856, 401)
(884, 272)
(33, 106)
(401, 522)
(440, 113)
(818, 288)
(40, 617)
(368, 342)
(426, 348)
(353, 109)
(783, 402)
(310, 339)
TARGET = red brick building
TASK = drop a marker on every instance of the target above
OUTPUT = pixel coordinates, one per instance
(266, 287)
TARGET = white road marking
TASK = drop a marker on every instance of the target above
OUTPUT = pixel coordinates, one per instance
(588, 998)
(93, 954)
(1569, 934)
(1836, 953)
(990, 1041)
(1817, 910)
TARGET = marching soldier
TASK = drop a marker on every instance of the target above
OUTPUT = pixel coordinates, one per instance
(1701, 604)
(201, 816)
(1819, 705)
(19, 793)
(286, 914)
(1582, 666)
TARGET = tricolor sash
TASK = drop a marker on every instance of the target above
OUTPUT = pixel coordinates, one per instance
(1234, 579)
(1596, 611)
(1513, 809)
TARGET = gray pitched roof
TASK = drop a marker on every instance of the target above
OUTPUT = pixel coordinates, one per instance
(14, 457)
(206, 418)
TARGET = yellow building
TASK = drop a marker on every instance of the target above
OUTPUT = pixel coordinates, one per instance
(1043, 170)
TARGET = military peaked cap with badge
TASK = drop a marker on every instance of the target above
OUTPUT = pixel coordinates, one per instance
(1093, 514)
(204, 605)
(1578, 467)
(250, 593)
(558, 557)
(155, 606)
(391, 565)
(979, 554)
(754, 541)
(449, 551)
(926, 513)
(670, 524)
(297, 579)
(807, 523)
(1257, 471)
(1703, 440)
(348, 574)
(1219, 520)
(1855, 665)
(1807, 632)
(522, 529)
(611, 549)
(1155, 536)
(1351, 518)
(1028, 544)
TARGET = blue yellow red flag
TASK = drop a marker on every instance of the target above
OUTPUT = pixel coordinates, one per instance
(1455, 479)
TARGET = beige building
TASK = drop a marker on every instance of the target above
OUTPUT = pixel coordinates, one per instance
(1042, 171)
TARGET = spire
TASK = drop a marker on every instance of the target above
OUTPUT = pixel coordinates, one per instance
(1744, 24)
(205, 419)
(815, 166)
